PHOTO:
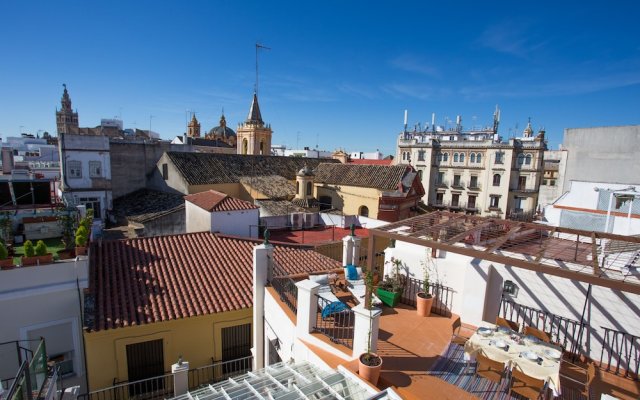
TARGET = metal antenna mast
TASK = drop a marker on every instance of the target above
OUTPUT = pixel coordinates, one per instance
(258, 46)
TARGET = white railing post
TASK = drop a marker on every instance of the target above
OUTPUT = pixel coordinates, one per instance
(347, 250)
(307, 307)
(262, 256)
(180, 371)
(365, 319)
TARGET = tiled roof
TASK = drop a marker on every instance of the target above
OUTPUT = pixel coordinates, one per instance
(273, 186)
(373, 176)
(371, 162)
(147, 280)
(306, 203)
(211, 168)
(145, 205)
(212, 200)
(270, 208)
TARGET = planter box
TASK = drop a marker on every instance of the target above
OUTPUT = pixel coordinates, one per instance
(37, 260)
(66, 254)
(81, 250)
(7, 263)
(389, 298)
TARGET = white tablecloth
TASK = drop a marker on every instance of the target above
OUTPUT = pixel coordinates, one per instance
(548, 371)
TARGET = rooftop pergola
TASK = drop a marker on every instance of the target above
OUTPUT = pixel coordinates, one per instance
(597, 258)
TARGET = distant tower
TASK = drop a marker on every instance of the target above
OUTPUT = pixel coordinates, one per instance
(254, 137)
(304, 183)
(528, 131)
(66, 119)
(222, 132)
(193, 129)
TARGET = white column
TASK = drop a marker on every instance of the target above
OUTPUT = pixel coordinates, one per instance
(180, 371)
(356, 251)
(365, 319)
(347, 250)
(307, 307)
(388, 265)
(262, 255)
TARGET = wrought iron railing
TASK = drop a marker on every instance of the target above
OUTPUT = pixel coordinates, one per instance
(443, 296)
(158, 387)
(565, 332)
(378, 261)
(288, 291)
(620, 353)
(218, 371)
(337, 326)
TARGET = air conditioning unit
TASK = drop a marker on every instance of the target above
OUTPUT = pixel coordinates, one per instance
(297, 220)
(309, 220)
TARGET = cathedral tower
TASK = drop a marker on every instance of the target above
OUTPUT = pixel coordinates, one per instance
(66, 119)
(193, 129)
(254, 137)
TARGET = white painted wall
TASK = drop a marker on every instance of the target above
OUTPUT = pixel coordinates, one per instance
(198, 219)
(237, 223)
(477, 289)
(34, 300)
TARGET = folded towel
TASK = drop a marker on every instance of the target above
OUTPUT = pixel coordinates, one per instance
(332, 308)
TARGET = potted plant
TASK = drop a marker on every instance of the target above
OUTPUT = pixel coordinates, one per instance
(390, 289)
(67, 222)
(82, 236)
(36, 255)
(6, 262)
(369, 363)
(424, 299)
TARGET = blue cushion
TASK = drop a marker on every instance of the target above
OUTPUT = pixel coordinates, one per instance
(333, 308)
(352, 273)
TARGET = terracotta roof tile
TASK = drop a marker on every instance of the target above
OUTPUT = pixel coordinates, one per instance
(365, 161)
(212, 200)
(147, 280)
(383, 177)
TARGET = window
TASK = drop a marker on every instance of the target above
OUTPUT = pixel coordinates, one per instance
(261, 147)
(439, 157)
(496, 180)
(364, 211)
(499, 158)
(528, 159)
(520, 159)
(473, 182)
(494, 202)
(325, 202)
(445, 157)
(440, 178)
(522, 182)
(455, 200)
(544, 181)
(145, 360)
(245, 146)
(165, 171)
(421, 155)
(456, 180)
(95, 169)
(236, 343)
(552, 182)
(472, 158)
(420, 174)
(472, 202)
(309, 189)
(75, 169)
(455, 157)
(439, 198)
(297, 187)
(461, 157)
(479, 158)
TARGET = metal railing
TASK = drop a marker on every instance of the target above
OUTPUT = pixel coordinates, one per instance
(442, 296)
(31, 376)
(622, 353)
(218, 371)
(145, 389)
(288, 291)
(566, 332)
(337, 326)
(523, 216)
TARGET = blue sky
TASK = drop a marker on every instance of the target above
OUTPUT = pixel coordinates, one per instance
(339, 73)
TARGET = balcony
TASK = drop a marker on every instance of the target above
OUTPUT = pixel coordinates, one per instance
(457, 185)
(442, 184)
(523, 189)
(474, 186)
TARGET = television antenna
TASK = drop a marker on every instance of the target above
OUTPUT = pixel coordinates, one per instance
(258, 47)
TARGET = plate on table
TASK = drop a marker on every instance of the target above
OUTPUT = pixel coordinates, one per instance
(485, 332)
(529, 355)
(553, 354)
(501, 344)
(531, 339)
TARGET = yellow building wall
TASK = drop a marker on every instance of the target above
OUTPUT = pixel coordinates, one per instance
(351, 198)
(197, 339)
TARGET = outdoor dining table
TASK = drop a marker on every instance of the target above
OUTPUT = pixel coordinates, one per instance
(545, 367)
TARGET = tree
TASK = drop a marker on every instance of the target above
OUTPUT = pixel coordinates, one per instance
(41, 248)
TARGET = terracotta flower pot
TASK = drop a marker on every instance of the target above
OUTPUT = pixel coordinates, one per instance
(37, 260)
(424, 301)
(81, 250)
(369, 367)
(7, 263)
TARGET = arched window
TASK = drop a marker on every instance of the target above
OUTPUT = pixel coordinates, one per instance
(472, 158)
(520, 159)
(479, 158)
(297, 187)
(439, 157)
(364, 211)
(245, 146)
(445, 157)
(455, 157)
(496, 180)
(528, 159)
(261, 147)
(309, 189)
(461, 157)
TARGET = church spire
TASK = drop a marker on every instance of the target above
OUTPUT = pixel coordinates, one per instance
(66, 100)
(254, 116)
